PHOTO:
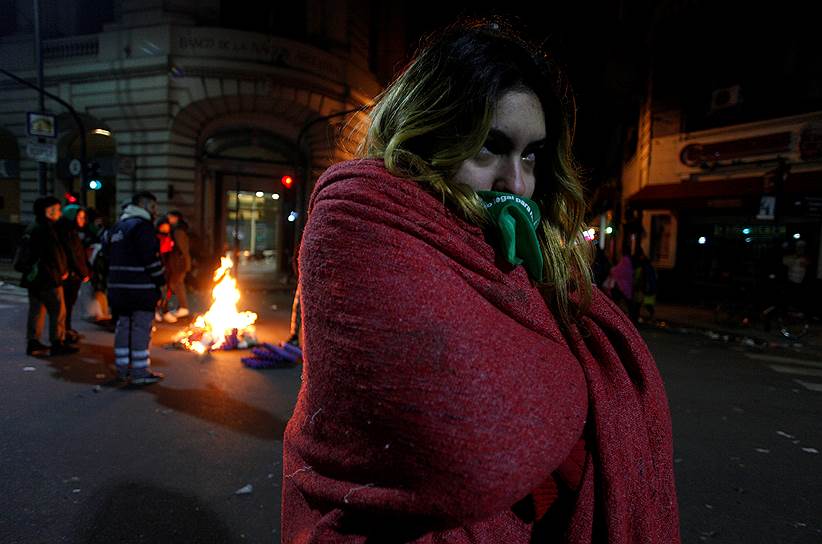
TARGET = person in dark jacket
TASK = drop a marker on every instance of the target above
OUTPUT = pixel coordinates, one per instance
(69, 227)
(166, 249)
(179, 262)
(44, 269)
(98, 260)
(136, 279)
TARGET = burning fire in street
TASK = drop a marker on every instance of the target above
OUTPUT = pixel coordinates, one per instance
(222, 326)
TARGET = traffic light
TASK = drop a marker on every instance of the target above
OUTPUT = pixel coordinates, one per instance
(95, 181)
(287, 181)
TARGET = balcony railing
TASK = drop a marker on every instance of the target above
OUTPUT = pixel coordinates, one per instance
(64, 48)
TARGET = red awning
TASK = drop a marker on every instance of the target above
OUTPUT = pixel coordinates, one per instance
(697, 190)
(701, 193)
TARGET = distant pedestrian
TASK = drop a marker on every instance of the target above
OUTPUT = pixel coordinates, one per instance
(644, 287)
(620, 283)
(601, 266)
(69, 227)
(97, 234)
(296, 317)
(42, 261)
(136, 281)
(796, 268)
(179, 262)
(166, 248)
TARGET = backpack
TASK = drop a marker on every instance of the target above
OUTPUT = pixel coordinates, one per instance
(23, 256)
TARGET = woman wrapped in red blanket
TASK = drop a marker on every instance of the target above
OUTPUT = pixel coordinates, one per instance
(463, 381)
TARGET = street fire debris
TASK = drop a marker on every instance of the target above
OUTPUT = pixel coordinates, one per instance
(222, 326)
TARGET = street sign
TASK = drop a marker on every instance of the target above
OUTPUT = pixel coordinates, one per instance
(75, 167)
(42, 152)
(767, 206)
(126, 165)
(42, 124)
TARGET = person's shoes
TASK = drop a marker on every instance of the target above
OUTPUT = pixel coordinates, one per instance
(148, 379)
(169, 317)
(61, 348)
(36, 349)
(158, 316)
(72, 336)
(181, 312)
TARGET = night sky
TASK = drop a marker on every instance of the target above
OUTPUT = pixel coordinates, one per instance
(694, 46)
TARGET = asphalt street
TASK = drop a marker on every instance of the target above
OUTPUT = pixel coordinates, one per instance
(85, 461)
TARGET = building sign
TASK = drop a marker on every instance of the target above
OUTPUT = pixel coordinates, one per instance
(813, 206)
(238, 45)
(126, 165)
(767, 207)
(702, 155)
(42, 152)
(42, 124)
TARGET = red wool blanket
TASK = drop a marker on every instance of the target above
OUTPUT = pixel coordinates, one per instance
(439, 394)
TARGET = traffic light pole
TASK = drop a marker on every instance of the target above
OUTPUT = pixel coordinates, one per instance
(38, 59)
(81, 127)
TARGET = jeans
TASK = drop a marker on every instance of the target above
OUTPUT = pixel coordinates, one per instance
(42, 301)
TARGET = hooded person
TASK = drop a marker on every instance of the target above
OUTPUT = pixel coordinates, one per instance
(179, 263)
(136, 281)
(44, 266)
(69, 227)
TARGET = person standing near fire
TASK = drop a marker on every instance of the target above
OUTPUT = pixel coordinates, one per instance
(136, 282)
(179, 262)
(42, 261)
(69, 227)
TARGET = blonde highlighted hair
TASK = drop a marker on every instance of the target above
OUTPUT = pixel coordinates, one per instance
(437, 113)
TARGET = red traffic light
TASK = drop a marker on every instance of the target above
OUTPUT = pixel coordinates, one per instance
(70, 198)
(287, 181)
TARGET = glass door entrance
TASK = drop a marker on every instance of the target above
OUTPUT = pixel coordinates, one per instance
(253, 231)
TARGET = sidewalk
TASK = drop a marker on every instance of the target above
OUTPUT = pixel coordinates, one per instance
(700, 320)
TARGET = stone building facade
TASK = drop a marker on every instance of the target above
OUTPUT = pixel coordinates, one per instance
(205, 105)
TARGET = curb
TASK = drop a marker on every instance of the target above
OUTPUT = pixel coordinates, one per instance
(745, 339)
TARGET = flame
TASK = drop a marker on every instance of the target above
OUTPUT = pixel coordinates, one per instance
(212, 329)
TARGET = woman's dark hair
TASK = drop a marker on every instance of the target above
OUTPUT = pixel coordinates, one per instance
(42, 204)
(437, 113)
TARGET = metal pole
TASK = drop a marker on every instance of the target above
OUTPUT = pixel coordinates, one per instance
(41, 100)
(81, 127)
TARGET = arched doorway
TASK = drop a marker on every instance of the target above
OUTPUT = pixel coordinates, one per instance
(254, 212)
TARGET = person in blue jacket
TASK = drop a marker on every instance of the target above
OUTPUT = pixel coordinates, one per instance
(136, 279)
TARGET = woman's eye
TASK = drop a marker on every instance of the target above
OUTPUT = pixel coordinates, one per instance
(530, 158)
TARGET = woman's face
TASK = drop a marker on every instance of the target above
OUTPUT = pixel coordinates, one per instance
(54, 212)
(507, 160)
(164, 228)
(81, 219)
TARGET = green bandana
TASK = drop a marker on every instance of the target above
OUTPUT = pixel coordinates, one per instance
(516, 219)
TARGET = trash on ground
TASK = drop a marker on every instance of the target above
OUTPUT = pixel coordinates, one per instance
(29, 369)
(245, 490)
(270, 356)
